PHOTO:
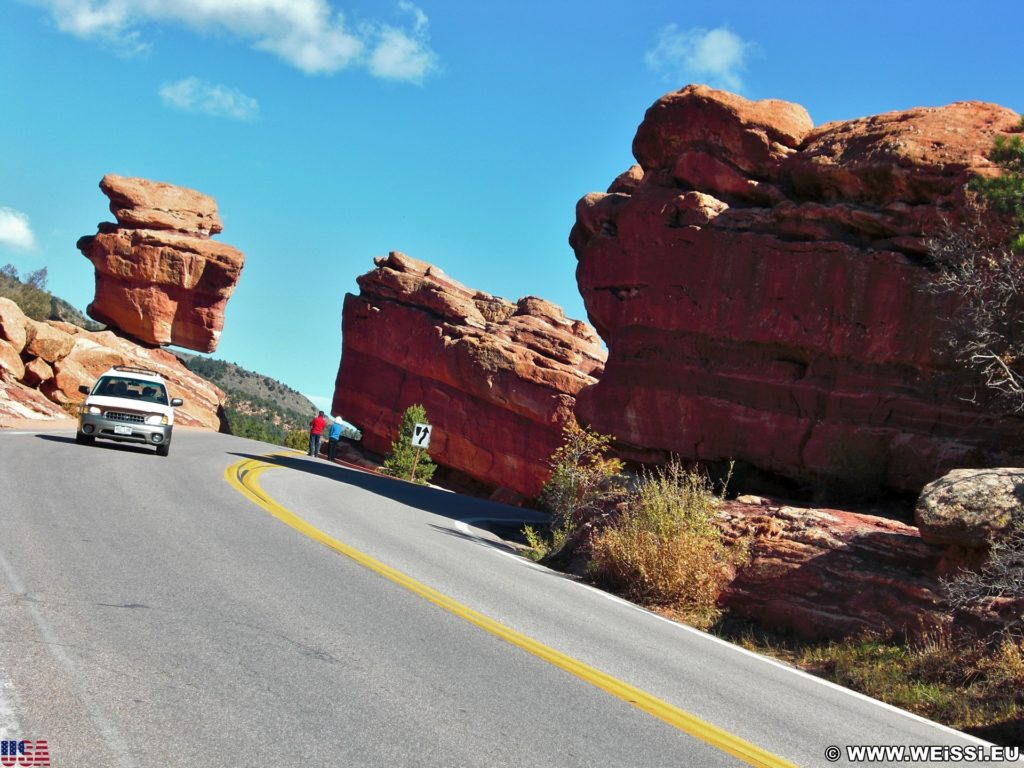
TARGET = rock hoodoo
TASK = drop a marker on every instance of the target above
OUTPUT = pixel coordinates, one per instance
(760, 284)
(159, 277)
(498, 379)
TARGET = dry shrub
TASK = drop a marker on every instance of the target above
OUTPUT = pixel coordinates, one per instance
(664, 550)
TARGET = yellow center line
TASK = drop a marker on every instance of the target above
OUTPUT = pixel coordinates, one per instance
(244, 477)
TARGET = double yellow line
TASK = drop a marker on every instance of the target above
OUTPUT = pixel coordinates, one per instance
(244, 477)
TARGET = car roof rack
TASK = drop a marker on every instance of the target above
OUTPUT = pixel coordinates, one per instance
(135, 369)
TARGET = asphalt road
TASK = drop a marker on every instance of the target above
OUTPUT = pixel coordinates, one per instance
(153, 615)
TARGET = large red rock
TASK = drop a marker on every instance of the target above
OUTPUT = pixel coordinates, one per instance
(761, 287)
(159, 278)
(498, 379)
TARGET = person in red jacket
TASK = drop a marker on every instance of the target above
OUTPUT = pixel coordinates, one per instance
(316, 428)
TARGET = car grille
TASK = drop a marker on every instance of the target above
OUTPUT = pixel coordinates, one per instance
(135, 418)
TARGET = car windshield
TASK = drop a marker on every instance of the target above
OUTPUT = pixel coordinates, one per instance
(133, 389)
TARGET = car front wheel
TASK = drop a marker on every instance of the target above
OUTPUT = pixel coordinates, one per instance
(84, 439)
(163, 450)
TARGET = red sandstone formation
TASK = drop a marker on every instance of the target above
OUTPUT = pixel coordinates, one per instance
(825, 573)
(498, 379)
(761, 288)
(43, 364)
(159, 278)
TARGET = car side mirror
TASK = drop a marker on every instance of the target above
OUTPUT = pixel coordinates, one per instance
(83, 389)
(176, 401)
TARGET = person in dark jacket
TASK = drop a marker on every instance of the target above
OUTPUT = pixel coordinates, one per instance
(316, 428)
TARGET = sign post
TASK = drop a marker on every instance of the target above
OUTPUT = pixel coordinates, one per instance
(420, 440)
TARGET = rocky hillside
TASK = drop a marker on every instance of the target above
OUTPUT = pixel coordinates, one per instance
(42, 365)
(255, 405)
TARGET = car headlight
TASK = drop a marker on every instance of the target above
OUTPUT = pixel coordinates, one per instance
(156, 418)
(93, 409)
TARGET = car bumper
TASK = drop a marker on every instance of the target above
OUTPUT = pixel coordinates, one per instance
(100, 427)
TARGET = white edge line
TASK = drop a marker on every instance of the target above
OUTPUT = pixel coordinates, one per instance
(464, 527)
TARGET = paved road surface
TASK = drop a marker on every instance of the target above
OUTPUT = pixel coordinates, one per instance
(153, 615)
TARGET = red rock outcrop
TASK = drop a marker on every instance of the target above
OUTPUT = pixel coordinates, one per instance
(761, 287)
(498, 379)
(43, 364)
(159, 278)
(827, 573)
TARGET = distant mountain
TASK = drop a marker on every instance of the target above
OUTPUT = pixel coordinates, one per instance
(256, 406)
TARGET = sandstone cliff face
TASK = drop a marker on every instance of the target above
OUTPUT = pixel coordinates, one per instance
(760, 285)
(498, 379)
(159, 278)
(43, 364)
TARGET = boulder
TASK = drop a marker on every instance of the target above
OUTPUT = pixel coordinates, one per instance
(159, 278)
(829, 573)
(37, 372)
(498, 379)
(45, 341)
(10, 360)
(969, 508)
(12, 324)
(762, 288)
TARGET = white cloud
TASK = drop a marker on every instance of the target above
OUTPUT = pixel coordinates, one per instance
(715, 56)
(307, 34)
(15, 231)
(195, 95)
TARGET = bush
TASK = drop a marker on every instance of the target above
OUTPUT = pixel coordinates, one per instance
(665, 549)
(298, 439)
(399, 462)
(583, 479)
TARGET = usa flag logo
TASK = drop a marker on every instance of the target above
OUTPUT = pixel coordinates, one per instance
(24, 752)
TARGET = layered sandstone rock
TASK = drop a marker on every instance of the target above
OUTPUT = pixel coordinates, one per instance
(761, 286)
(498, 379)
(42, 366)
(826, 573)
(159, 278)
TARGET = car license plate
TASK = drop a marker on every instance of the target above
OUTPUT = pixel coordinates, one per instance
(119, 430)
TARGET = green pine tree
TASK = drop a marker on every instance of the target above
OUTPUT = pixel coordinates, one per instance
(399, 462)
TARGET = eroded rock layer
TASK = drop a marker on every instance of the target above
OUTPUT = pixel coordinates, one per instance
(159, 278)
(761, 287)
(498, 379)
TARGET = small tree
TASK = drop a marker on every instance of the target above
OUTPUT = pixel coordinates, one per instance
(583, 479)
(982, 262)
(399, 462)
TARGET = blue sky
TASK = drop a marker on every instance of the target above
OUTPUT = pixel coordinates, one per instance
(331, 132)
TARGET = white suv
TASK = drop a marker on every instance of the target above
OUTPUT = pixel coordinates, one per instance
(128, 405)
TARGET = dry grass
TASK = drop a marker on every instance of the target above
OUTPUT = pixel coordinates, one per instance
(664, 550)
(964, 682)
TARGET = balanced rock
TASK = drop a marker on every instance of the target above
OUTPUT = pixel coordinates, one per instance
(498, 379)
(159, 278)
(762, 288)
(971, 507)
